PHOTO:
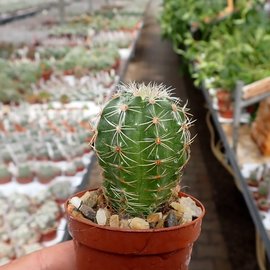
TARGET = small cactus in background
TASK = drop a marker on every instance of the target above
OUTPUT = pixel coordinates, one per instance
(5, 175)
(46, 173)
(25, 174)
(142, 142)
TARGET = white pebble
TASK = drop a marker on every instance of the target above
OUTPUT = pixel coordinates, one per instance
(102, 216)
(124, 224)
(138, 224)
(90, 198)
(189, 205)
(114, 221)
(154, 218)
(76, 202)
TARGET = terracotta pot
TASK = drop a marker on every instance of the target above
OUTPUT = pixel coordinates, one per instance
(226, 112)
(5, 180)
(223, 96)
(25, 180)
(60, 201)
(80, 169)
(69, 72)
(99, 247)
(87, 150)
(225, 103)
(45, 180)
(49, 235)
(253, 183)
(70, 174)
(46, 75)
(116, 65)
(263, 205)
(257, 196)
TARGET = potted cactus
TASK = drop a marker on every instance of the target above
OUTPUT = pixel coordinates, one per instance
(46, 70)
(6, 156)
(79, 165)
(25, 174)
(71, 170)
(137, 219)
(46, 174)
(5, 175)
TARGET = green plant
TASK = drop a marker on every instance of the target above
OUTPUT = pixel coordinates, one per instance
(5, 155)
(55, 52)
(142, 143)
(94, 59)
(178, 17)
(45, 66)
(234, 48)
(263, 189)
(71, 170)
(4, 172)
(44, 96)
(24, 171)
(47, 172)
(8, 90)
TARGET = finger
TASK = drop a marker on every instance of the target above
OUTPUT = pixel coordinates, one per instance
(58, 257)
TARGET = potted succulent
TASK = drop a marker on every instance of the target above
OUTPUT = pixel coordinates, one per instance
(6, 156)
(79, 151)
(78, 163)
(61, 191)
(46, 225)
(224, 101)
(5, 175)
(262, 192)
(138, 219)
(71, 170)
(86, 149)
(46, 70)
(46, 174)
(253, 180)
(57, 155)
(42, 154)
(44, 97)
(64, 99)
(24, 175)
(263, 204)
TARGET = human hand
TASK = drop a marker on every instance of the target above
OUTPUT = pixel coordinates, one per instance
(58, 257)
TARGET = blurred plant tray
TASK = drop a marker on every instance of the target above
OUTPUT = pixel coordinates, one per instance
(115, 5)
(247, 150)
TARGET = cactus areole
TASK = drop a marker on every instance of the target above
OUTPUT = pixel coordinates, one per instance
(142, 143)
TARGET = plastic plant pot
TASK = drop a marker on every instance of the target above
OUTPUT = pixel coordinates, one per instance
(142, 149)
(49, 235)
(100, 247)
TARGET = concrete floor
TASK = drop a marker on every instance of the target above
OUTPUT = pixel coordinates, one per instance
(227, 238)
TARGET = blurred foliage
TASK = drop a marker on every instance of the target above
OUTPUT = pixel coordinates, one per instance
(234, 48)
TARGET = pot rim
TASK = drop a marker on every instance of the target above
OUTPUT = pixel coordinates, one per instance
(159, 230)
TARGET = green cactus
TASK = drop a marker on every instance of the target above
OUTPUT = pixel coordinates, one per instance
(4, 172)
(142, 143)
(24, 171)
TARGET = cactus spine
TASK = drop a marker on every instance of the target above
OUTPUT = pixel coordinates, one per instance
(142, 143)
